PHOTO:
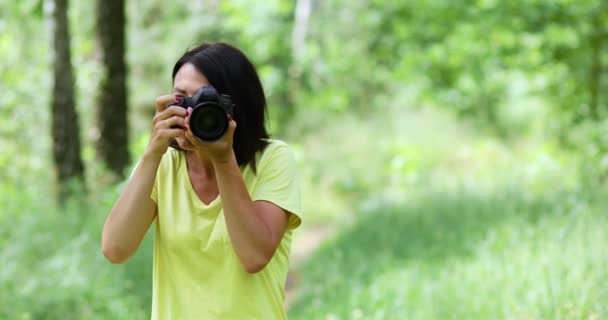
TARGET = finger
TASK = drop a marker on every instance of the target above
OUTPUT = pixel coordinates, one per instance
(163, 101)
(231, 127)
(192, 138)
(172, 122)
(171, 133)
(170, 112)
(188, 134)
(187, 126)
(188, 113)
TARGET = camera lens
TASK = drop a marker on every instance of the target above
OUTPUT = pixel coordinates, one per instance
(208, 122)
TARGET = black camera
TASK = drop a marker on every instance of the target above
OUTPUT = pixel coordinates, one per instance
(210, 111)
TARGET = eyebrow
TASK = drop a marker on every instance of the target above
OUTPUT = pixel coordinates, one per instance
(179, 90)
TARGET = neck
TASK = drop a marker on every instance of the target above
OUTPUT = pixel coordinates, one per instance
(200, 164)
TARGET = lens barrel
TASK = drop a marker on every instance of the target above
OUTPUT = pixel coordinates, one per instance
(208, 121)
(210, 111)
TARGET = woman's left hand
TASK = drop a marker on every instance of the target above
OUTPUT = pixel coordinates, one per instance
(219, 150)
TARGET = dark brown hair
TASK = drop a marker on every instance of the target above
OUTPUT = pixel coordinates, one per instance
(230, 72)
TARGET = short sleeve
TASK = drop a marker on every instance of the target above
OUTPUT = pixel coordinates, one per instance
(278, 181)
(163, 170)
(154, 193)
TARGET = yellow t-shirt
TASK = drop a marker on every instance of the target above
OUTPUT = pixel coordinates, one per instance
(196, 273)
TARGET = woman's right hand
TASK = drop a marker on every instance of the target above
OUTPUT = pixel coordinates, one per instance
(168, 124)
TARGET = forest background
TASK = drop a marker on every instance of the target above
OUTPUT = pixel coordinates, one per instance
(453, 154)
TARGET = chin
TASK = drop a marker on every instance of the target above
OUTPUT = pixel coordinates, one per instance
(184, 144)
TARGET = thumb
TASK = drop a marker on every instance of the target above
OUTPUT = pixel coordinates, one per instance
(231, 124)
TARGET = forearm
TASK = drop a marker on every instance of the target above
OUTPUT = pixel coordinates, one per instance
(132, 213)
(253, 240)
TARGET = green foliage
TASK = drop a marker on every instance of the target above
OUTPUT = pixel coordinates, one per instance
(52, 262)
(467, 58)
(437, 219)
(494, 214)
(469, 254)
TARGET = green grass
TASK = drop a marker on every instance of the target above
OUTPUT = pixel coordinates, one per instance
(471, 253)
(434, 221)
(52, 266)
(464, 255)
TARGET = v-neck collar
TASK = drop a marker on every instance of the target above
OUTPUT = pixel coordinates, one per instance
(190, 186)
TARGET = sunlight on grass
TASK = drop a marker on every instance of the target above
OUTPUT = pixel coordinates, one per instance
(462, 257)
(430, 220)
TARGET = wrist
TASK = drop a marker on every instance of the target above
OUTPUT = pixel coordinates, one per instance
(152, 156)
(227, 159)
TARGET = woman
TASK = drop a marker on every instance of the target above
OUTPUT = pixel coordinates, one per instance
(224, 211)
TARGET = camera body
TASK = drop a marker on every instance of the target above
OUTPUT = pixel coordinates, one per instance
(210, 110)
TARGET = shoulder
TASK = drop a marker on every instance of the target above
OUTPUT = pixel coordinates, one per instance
(276, 150)
(172, 155)
(171, 159)
(277, 180)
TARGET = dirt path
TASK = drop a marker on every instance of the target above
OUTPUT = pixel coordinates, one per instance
(304, 244)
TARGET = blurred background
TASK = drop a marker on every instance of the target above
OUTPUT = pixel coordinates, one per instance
(454, 154)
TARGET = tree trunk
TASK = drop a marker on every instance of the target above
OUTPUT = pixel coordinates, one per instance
(112, 119)
(293, 73)
(300, 27)
(65, 129)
